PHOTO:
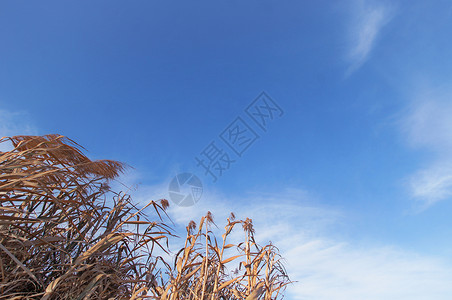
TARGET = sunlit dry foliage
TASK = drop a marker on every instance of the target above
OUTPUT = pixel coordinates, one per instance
(64, 234)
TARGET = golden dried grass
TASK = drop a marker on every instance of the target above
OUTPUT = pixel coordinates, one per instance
(59, 238)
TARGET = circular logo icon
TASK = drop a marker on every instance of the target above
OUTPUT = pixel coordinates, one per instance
(185, 189)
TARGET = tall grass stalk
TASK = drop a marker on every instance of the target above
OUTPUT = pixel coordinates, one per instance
(65, 234)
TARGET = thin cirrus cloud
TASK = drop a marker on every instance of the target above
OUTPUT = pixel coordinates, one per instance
(324, 264)
(368, 19)
(328, 269)
(427, 125)
(14, 123)
(432, 184)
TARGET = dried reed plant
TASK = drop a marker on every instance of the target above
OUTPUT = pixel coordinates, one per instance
(64, 234)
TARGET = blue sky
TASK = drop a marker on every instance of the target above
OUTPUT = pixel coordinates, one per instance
(357, 173)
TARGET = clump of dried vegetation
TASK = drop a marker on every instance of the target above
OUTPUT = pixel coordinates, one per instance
(64, 234)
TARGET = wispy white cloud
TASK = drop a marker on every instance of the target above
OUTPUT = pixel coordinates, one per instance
(325, 264)
(328, 269)
(328, 266)
(14, 123)
(432, 184)
(428, 121)
(428, 125)
(367, 22)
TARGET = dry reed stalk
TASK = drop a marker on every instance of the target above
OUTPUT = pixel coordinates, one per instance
(60, 238)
